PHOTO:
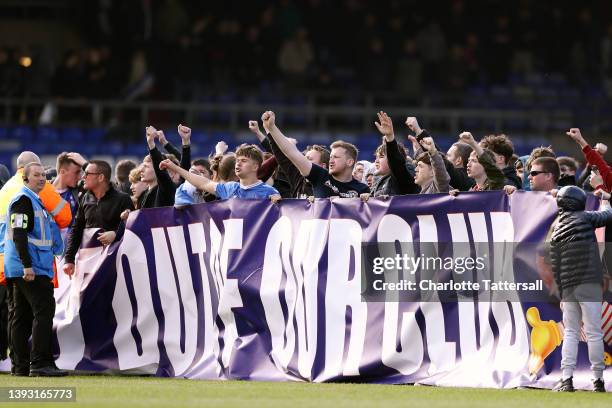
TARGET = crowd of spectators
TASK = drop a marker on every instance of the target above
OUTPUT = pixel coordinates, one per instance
(181, 49)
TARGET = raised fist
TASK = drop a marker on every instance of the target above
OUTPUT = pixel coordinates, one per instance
(162, 137)
(413, 124)
(466, 137)
(254, 126)
(184, 132)
(221, 147)
(429, 144)
(268, 118)
(601, 148)
(151, 133)
(575, 134)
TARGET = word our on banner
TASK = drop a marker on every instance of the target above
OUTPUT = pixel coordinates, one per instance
(252, 290)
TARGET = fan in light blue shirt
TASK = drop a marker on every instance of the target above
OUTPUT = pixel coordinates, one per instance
(248, 160)
(259, 190)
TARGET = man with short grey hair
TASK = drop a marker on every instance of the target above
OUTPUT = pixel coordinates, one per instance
(25, 158)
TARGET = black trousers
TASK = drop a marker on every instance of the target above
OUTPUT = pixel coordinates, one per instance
(32, 314)
(11, 312)
(3, 322)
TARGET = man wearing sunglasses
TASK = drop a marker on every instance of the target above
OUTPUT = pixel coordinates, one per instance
(544, 174)
(100, 207)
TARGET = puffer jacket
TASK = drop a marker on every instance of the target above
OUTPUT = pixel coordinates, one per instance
(573, 250)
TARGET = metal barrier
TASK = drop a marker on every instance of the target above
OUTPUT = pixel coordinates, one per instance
(310, 117)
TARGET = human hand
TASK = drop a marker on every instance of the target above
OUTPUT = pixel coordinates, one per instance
(151, 133)
(77, 158)
(509, 189)
(275, 198)
(254, 126)
(185, 134)
(106, 238)
(415, 143)
(385, 126)
(28, 274)
(603, 195)
(161, 137)
(601, 148)
(413, 125)
(429, 145)
(124, 215)
(220, 148)
(364, 197)
(268, 119)
(69, 269)
(575, 134)
(466, 137)
(167, 164)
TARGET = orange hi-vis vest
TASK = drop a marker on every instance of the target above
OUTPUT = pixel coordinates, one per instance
(51, 200)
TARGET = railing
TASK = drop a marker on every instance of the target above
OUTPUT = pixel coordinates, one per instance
(310, 117)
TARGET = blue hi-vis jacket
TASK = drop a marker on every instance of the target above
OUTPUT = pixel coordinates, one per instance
(44, 242)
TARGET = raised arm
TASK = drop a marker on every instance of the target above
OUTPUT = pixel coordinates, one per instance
(267, 169)
(413, 125)
(291, 172)
(185, 134)
(163, 178)
(254, 127)
(495, 176)
(169, 147)
(441, 178)
(289, 149)
(200, 182)
(593, 156)
(396, 160)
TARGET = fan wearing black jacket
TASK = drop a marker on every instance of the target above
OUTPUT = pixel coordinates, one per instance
(394, 178)
(161, 186)
(577, 270)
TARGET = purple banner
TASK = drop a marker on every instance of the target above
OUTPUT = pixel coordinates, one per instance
(256, 291)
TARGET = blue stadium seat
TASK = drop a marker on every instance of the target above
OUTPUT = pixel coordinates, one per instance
(23, 134)
(198, 136)
(225, 117)
(95, 135)
(298, 118)
(501, 97)
(47, 134)
(72, 134)
(113, 149)
(135, 149)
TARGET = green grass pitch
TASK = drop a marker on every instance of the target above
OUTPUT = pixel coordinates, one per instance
(111, 391)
